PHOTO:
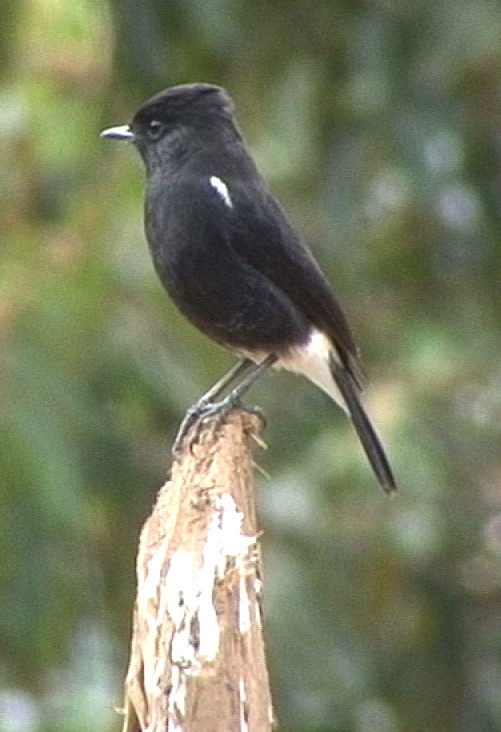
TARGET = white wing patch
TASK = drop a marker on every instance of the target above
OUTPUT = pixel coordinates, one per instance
(222, 190)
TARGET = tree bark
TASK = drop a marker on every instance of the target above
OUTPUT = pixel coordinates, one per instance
(197, 661)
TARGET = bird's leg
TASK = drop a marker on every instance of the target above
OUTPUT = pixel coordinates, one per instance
(242, 388)
(195, 411)
(247, 369)
(237, 371)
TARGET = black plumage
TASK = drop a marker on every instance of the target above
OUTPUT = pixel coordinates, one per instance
(230, 259)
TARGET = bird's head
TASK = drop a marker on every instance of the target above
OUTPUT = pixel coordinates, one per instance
(174, 120)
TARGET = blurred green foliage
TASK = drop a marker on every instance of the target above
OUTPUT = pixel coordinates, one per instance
(378, 124)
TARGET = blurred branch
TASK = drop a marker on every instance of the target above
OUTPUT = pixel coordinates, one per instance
(197, 658)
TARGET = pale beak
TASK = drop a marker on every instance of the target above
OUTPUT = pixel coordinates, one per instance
(123, 132)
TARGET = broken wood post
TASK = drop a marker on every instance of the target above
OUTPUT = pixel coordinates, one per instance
(197, 661)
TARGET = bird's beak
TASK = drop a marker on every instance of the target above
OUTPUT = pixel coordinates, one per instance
(123, 132)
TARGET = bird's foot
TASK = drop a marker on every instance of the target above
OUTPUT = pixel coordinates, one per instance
(200, 411)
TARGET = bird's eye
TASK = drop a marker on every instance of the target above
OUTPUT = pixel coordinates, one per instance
(154, 129)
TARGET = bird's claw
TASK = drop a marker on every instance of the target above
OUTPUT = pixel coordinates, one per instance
(196, 415)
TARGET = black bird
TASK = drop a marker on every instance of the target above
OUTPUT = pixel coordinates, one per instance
(233, 263)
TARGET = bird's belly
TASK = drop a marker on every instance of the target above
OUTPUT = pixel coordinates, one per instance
(236, 306)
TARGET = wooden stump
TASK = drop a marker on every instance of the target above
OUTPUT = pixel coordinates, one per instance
(197, 660)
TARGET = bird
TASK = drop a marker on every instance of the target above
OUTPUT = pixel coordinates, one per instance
(234, 264)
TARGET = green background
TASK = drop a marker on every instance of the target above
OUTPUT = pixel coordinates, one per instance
(378, 124)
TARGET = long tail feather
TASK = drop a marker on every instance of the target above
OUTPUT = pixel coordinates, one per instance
(365, 431)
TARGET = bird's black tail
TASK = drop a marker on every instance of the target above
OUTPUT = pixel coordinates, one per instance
(365, 431)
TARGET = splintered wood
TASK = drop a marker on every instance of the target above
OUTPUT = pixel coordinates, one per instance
(197, 659)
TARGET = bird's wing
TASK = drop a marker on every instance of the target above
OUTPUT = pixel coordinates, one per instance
(262, 236)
